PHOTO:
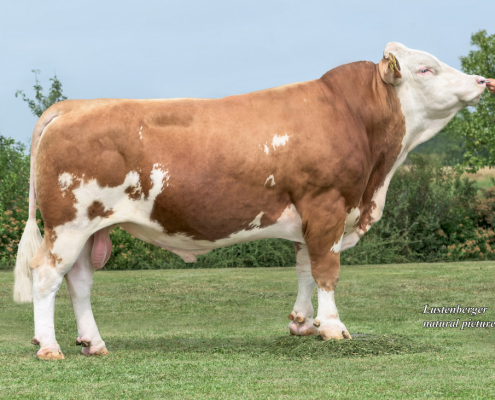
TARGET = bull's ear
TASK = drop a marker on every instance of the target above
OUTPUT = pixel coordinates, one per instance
(389, 68)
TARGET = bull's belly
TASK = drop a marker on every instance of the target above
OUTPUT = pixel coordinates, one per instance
(288, 226)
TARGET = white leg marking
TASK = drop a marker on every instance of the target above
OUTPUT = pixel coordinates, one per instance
(328, 321)
(302, 314)
(46, 282)
(80, 281)
(327, 310)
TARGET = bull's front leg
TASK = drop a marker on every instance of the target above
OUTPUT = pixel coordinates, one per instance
(324, 232)
(302, 314)
(325, 268)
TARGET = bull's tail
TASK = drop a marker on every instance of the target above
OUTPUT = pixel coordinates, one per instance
(28, 246)
(31, 238)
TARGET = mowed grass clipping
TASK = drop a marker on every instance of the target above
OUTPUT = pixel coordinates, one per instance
(222, 334)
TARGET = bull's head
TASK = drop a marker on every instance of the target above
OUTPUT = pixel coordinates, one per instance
(428, 89)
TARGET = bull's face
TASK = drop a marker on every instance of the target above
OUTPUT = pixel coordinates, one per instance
(435, 87)
(430, 91)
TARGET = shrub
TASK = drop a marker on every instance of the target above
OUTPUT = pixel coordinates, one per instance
(482, 247)
(429, 207)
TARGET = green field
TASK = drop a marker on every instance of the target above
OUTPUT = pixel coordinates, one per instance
(222, 334)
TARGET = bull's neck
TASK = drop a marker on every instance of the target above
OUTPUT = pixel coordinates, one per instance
(372, 104)
(373, 108)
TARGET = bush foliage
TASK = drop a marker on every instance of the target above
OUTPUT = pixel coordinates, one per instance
(431, 214)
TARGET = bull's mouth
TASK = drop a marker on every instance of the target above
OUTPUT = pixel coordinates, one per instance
(474, 101)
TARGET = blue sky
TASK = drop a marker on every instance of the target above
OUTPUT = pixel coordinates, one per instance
(192, 48)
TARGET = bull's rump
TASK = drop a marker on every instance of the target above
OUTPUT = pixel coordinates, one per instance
(224, 165)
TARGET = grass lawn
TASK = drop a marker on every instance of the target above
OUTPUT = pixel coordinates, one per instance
(222, 334)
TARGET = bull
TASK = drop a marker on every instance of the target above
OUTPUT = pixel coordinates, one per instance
(308, 162)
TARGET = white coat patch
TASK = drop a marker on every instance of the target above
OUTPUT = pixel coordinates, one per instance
(265, 148)
(337, 246)
(64, 181)
(124, 208)
(279, 141)
(272, 179)
(256, 223)
(141, 133)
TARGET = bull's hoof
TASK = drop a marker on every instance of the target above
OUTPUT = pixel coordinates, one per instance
(334, 331)
(301, 326)
(51, 353)
(95, 351)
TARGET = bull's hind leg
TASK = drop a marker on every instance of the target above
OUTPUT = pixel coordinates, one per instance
(46, 282)
(302, 315)
(80, 281)
(49, 269)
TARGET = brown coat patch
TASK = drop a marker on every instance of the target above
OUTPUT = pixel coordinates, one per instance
(97, 209)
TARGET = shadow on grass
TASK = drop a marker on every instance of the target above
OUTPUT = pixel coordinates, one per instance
(286, 347)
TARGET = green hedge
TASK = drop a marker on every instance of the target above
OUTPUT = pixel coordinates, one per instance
(431, 214)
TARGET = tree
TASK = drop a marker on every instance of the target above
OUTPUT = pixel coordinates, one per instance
(14, 172)
(42, 102)
(477, 127)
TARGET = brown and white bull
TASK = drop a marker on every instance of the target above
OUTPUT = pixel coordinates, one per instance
(309, 162)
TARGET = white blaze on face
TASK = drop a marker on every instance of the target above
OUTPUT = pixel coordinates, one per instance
(272, 179)
(279, 141)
